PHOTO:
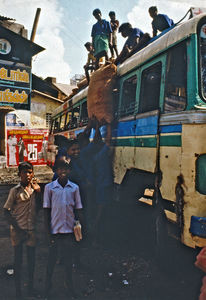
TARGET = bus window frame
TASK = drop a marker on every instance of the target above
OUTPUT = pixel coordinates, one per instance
(200, 86)
(187, 45)
(84, 100)
(200, 174)
(160, 59)
(66, 120)
(122, 81)
(67, 113)
(76, 105)
(58, 120)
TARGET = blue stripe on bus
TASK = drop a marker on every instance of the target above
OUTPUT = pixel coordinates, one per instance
(143, 127)
(139, 127)
(103, 131)
(170, 128)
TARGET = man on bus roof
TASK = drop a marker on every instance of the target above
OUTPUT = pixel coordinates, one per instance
(160, 22)
(101, 37)
(91, 60)
(133, 35)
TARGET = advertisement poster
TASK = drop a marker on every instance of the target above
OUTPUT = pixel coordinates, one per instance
(15, 85)
(27, 145)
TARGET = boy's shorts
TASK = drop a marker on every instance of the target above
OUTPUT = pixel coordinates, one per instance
(114, 40)
(17, 238)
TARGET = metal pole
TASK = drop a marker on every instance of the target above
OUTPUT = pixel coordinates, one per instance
(36, 20)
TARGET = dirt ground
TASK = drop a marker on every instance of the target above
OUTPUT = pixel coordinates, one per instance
(124, 265)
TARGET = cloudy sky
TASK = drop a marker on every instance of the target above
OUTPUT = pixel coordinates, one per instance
(65, 25)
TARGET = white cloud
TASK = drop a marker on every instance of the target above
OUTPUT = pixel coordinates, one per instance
(50, 62)
(196, 3)
(90, 22)
(175, 9)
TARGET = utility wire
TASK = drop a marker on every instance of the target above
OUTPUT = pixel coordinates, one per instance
(184, 16)
(71, 37)
(72, 33)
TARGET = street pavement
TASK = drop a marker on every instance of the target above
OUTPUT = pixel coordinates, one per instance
(122, 266)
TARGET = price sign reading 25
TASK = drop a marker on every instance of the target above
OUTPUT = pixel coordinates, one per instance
(32, 152)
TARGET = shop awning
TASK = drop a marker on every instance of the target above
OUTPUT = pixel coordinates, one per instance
(6, 109)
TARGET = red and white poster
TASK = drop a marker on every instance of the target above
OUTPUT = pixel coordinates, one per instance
(27, 145)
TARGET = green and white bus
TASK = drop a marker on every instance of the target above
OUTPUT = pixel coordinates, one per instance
(160, 122)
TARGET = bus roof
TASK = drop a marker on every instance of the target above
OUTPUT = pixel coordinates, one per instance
(79, 96)
(177, 33)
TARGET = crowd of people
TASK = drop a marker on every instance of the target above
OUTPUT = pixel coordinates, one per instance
(104, 38)
(79, 193)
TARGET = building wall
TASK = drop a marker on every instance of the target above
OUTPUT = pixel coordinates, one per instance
(40, 106)
(2, 133)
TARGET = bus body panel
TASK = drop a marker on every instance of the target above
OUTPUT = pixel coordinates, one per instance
(135, 145)
(193, 145)
(126, 158)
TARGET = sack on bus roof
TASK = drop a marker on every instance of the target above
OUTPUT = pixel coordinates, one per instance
(100, 94)
(82, 83)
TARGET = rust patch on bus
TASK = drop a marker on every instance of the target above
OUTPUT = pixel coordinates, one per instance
(179, 192)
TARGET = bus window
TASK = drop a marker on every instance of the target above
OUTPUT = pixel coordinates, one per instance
(201, 174)
(75, 117)
(150, 88)
(56, 125)
(66, 121)
(176, 79)
(203, 59)
(128, 96)
(62, 122)
(84, 114)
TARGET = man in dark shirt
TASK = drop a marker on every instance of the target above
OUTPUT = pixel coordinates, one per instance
(96, 158)
(101, 37)
(160, 22)
(133, 37)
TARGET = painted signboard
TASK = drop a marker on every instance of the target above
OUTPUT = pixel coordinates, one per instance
(12, 120)
(5, 47)
(27, 145)
(15, 85)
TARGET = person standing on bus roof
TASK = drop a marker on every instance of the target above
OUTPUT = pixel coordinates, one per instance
(133, 37)
(114, 24)
(101, 37)
(160, 22)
